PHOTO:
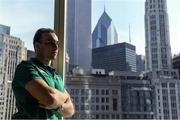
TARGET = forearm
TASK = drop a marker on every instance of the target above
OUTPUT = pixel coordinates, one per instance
(67, 109)
(61, 98)
(57, 97)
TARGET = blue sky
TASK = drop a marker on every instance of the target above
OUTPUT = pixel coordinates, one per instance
(26, 16)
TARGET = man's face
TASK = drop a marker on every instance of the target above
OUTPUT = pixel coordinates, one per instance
(49, 44)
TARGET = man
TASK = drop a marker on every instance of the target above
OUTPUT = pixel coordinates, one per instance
(38, 89)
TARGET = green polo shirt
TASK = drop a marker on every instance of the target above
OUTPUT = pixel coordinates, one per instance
(27, 105)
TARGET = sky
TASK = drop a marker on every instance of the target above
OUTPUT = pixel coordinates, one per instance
(26, 16)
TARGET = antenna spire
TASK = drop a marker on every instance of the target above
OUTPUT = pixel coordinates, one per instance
(129, 33)
(104, 7)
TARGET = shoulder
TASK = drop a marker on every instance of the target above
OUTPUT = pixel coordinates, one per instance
(24, 66)
(24, 63)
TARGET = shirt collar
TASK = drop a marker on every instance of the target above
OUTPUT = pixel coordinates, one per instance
(39, 63)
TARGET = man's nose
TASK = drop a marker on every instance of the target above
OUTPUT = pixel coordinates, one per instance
(55, 46)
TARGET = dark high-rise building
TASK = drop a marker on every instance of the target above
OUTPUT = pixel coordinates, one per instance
(104, 32)
(176, 63)
(158, 49)
(117, 57)
(30, 54)
(78, 33)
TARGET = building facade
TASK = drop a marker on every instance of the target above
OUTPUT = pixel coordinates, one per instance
(167, 99)
(137, 99)
(117, 57)
(102, 96)
(12, 52)
(157, 49)
(95, 98)
(78, 33)
(104, 32)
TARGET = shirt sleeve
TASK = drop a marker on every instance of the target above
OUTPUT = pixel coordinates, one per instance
(25, 72)
(59, 83)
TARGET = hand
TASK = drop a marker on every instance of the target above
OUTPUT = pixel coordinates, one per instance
(59, 99)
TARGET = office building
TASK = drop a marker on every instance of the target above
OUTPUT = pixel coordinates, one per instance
(103, 96)
(12, 52)
(117, 57)
(104, 32)
(167, 99)
(157, 49)
(78, 33)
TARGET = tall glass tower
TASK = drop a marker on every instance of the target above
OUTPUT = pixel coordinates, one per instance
(105, 32)
(78, 33)
(158, 50)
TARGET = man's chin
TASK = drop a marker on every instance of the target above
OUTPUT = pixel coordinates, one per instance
(53, 57)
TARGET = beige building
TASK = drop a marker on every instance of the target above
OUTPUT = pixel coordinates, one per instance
(95, 97)
(12, 52)
(167, 99)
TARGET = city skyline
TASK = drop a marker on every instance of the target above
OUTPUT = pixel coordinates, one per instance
(29, 20)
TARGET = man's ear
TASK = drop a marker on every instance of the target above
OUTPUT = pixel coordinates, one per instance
(36, 45)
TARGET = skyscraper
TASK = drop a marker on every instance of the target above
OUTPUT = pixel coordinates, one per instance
(117, 57)
(158, 50)
(78, 33)
(159, 60)
(104, 33)
(12, 52)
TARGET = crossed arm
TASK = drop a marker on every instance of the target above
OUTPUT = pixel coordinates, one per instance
(50, 98)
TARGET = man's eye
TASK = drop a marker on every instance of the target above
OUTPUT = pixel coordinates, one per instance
(47, 43)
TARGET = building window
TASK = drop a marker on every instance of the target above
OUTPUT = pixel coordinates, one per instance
(102, 92)
(164, 85)
(97, 100)
(97, 92)
(107, 100)
(172, 85)
(102, 100)
(76, 99)
(93, 99)
(115, 104)
(93, 91)
(82, 99)
(107, 107)
(107, 92)
(114, 92)
(97, 116)
(97, 107)
(102, 107)
(76, 91)
(83, 92)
